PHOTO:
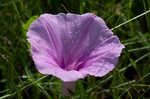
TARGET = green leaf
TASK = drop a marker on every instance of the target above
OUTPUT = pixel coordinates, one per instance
(27, 25)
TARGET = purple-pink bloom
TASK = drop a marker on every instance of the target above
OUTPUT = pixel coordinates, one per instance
(71, 46)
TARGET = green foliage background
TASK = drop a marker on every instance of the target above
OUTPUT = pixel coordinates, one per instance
(129, 80)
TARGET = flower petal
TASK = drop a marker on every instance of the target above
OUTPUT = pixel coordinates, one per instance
(44, 35)
(83, 34)
(104, 58)
(45, 65)
(103, 52)
(89, 35)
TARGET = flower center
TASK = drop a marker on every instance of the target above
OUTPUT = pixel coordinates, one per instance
(73, 66)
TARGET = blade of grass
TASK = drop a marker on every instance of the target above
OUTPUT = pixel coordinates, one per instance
(138, 49)
(146, 12)
(30, 84)
(121, 70)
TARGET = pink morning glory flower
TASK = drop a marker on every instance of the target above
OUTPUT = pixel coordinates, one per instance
(72, 46)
